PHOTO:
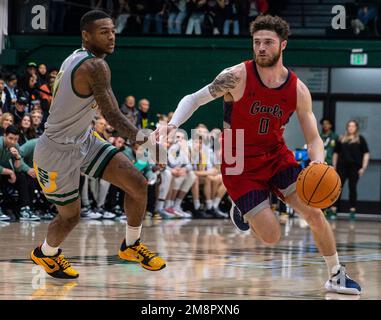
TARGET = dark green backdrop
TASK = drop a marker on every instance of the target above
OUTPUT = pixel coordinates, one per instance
(165, 69)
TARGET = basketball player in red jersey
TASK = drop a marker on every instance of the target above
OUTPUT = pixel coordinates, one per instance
(259, 97)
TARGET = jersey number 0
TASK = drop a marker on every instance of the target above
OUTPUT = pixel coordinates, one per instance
(264, 126)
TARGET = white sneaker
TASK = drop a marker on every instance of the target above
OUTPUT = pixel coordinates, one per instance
(91, 215)
(167, 213)
(106, 214)
(181, 213)
(341, 283)
(26, 214)
(4, 217)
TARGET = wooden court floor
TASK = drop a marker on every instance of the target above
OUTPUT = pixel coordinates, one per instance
(206, 259)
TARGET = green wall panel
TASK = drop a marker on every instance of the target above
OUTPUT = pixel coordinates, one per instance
(165, 69)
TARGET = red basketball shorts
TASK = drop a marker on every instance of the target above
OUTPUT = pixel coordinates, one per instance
(274, 171)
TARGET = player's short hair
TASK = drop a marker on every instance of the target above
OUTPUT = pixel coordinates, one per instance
(12, 129)
(89, 17)
(271, 23)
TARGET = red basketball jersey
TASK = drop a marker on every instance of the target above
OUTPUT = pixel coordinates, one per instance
(262, 112)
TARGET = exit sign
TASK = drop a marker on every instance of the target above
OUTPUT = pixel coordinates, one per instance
(359, 59)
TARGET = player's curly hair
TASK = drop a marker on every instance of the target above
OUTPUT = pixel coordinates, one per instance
(271, 23)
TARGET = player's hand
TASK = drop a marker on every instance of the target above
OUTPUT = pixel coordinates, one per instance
(164, 131)
(12, 177)
(32, 173)
(361, 172)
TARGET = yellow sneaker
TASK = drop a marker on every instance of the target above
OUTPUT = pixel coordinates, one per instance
(138, 252)
(55, 266)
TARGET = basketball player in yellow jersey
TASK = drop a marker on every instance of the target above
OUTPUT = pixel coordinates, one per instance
(69, 147)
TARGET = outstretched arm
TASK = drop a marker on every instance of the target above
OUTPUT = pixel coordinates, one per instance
(308, 124)
(226, 82)
(99, 79)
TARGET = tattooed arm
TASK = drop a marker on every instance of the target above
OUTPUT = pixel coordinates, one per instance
(99, 78)
(230, 82)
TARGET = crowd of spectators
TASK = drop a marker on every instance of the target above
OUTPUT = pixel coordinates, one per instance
(173, 190)
(173, 17)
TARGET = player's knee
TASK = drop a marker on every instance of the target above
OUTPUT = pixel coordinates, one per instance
(140, 188)
(315, 218)
(270, 239)
(69, 221)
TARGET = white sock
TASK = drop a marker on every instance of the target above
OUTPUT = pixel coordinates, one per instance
(209, 204)
(167, 204)
(216, 202)
(48, 250)
(331, 262)
(178, 203)
(160, 205)
(196, 204)
(132, 234)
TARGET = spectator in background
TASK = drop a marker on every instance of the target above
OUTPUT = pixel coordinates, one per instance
(29, 88)
(115, 197)
(262, 6)
(203, 168)
(129, 110)
(350, 159)
(231, 17)
(177, 14)
(329, 139)
(196, 9)
(143, 121)
(11, 91)
(42, 73)
(155, 10)
(40, 204)
(365, 15)
(182, 177)
(139, 157)
(257, 7)
(98, 187)
(214, 17)
(20, 109)
(31, 68)
(164, 187)
(46, 95)
(36, 116)
(123, 14)
(13, 170)
(6, 120)
(218, 188)
(27, 131)
(3, 96)
(53, 72)
(135, 22)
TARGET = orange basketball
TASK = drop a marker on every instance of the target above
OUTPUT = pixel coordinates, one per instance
(318, 185)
